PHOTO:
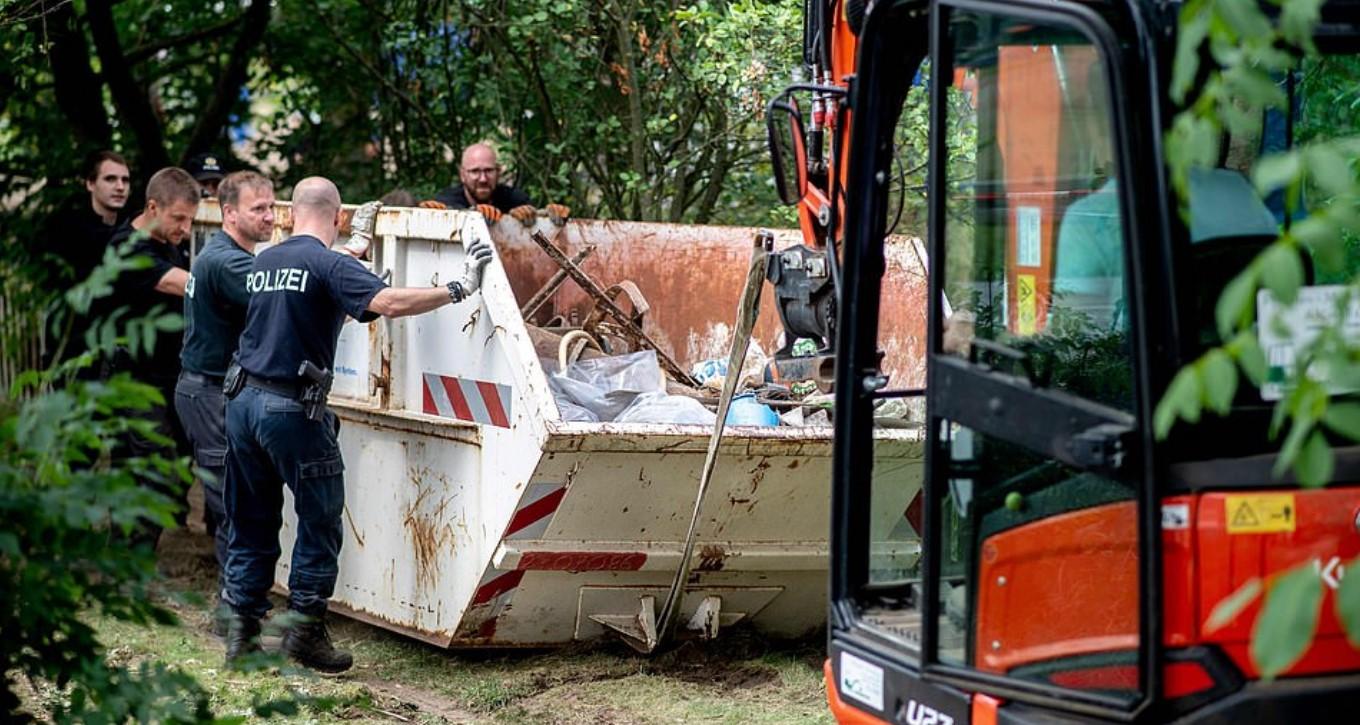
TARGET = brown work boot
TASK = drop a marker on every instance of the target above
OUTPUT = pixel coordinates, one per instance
(243, 639)
(308, 643)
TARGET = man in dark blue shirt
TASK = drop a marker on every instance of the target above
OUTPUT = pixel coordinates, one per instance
(215, 299)
(301, 293)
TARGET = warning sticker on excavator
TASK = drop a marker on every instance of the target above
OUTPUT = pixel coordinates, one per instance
(1027, 313)
(1266, 513)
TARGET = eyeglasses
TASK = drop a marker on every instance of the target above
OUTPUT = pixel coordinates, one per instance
(483, 172)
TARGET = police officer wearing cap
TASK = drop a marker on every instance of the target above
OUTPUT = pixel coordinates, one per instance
(207, 171)
(215, 300)
(279, 434)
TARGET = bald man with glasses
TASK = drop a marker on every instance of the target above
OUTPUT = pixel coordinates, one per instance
(479, 188)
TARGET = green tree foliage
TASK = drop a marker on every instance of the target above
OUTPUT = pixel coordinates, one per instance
(70, 509)
(619, 108)
(1248, 51)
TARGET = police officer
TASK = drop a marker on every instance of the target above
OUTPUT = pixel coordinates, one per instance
(301, 292)
(215, 299)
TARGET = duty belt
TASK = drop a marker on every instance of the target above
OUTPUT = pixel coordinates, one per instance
(287, 390)
(201, 378)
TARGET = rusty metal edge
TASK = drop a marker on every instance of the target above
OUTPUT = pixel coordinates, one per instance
(405, 422)
(438, 639)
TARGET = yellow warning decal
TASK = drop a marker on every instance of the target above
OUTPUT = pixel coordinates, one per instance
(1027, 315)
(1264, 513)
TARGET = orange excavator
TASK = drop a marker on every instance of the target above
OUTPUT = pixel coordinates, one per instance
(1068, 559)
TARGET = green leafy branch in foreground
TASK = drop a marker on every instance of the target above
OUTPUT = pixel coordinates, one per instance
(70, 549)
(1250, 52)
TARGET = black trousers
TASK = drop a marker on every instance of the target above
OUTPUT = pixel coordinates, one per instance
(202, 411)
(165, 420)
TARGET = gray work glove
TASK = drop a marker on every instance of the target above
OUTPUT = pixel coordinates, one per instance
(479, 255)
(361, 229)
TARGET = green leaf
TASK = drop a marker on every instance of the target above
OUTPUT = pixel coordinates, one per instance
(1348, 602)
(1315, 463)
(1343, 418)
(1219, 375)
(173, 322)
(1297, 20)
(1230, 606)
(1254, 86)
(1182, 400)
(1330, 170)
(1276, 171)
(1192, 30)
(1322, 236)
(1293, 443)
(1236, 304)
(1250, 357)
(1282, 272)
(1245, 17)
(1287, 622)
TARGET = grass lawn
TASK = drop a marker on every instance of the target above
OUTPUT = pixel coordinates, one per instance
(739, 678)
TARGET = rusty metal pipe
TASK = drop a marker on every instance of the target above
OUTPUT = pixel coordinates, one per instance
(547, 290)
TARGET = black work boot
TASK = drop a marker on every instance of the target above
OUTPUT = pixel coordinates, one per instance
(243, 638)
(308, 643)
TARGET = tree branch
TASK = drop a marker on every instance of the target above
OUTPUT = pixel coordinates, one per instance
(78, 90)
(431, 127)
(134, 106)
(143, 52)
(228, 88)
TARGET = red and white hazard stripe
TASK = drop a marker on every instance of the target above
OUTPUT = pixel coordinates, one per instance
(535, 511)
(475, 401)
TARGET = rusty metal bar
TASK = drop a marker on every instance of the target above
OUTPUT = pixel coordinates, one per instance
(748, 309)
(620, 317)
(552, 284)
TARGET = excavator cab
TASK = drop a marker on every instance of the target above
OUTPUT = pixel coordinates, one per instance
(1068, 558)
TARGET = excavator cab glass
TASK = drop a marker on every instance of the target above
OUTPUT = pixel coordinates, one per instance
(1031, 571)
(1068, 556)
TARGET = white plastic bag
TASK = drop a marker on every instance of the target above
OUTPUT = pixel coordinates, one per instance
(663, 408)
(606, 386)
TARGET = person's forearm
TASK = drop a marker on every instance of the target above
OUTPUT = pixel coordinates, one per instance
(173, 282)
(405, 301)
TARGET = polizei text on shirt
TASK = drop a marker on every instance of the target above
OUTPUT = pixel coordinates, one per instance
(289, 279)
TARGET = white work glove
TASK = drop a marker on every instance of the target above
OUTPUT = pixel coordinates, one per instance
(361, 229)
(479, 255)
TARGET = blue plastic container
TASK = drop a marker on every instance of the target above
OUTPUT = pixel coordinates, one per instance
(746, 410)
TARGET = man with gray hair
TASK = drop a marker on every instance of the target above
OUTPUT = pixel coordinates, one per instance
(215, 300)
(279, 433)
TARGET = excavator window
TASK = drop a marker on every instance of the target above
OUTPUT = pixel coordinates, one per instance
(1033, 232)
(1037, 556)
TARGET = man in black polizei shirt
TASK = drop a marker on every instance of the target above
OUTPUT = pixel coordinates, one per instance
(278, 433)
(215, 299)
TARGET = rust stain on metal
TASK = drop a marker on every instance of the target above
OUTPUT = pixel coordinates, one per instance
(475, 315)
(353, 528)
(428, 532)
(711, 558)
(758, 473)
(571, 474)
